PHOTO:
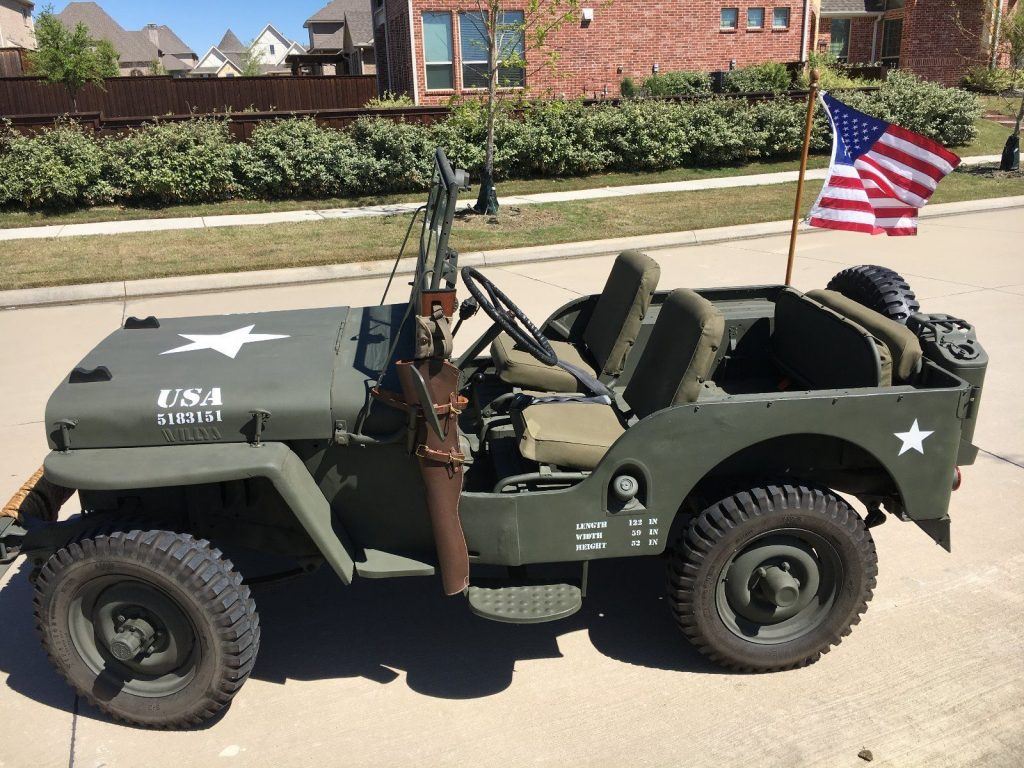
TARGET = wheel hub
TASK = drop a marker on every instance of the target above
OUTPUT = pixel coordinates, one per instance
(779, 586)
(135, 637)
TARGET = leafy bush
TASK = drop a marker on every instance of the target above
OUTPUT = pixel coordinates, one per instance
(295, 158)
(678, 84)
(196, 161)
(182, 162)
(56, 168)
(389, 100)
(944, 114)
(985, 80)
(834, 76)
(770, 76)
(628, 88)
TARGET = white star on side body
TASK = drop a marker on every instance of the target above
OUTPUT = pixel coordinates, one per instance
(914, 439)
(228, 344)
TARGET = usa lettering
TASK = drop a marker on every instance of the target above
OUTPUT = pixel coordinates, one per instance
(190, 398)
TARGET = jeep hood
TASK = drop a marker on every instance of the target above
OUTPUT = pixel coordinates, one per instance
(199, 379)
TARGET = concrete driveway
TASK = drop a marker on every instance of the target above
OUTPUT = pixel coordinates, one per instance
(390, 673)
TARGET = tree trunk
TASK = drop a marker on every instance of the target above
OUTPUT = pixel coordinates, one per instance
(487, 202)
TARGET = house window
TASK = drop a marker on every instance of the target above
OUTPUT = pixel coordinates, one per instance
(780, 18)
(892, 37)
(729, 18)
(839, 31)
(437, 50)
(273, 49)
(473, 48)
(892, 5)
(755, 18)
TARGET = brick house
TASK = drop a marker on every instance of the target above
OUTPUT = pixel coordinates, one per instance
(17, 30)
(936, 39)
(431, 50)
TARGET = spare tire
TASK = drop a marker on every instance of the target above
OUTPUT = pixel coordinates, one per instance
(878, 288)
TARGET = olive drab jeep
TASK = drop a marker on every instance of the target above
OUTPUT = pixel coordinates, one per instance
(714, 428)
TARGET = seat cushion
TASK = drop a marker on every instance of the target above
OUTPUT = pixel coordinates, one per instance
(902, 342)
(820, 348)
(518, 367)
(619, 312)
(574, 435)
(679, 355)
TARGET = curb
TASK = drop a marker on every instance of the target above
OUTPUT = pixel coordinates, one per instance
(232, 281)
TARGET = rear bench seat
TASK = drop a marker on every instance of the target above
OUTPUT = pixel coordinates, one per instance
(827, 341)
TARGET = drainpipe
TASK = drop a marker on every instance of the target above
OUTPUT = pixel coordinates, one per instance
(803, 32)
(412, 52)
(997, 28)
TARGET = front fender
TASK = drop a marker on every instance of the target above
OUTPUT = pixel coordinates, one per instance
(166, 466)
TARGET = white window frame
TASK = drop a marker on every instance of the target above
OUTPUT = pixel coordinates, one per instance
(760, 8)
(789, 17)
(721, 19)
(451, 46)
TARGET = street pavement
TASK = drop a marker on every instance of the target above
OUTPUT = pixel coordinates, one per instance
(389, 673)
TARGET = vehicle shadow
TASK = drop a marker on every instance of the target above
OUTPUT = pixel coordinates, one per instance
(314, 628)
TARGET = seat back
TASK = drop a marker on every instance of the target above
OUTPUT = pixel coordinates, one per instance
(679, 354)
(615, 322)
(821, 348)
(901, 342)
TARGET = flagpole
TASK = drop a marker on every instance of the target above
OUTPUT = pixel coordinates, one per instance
(812, 97)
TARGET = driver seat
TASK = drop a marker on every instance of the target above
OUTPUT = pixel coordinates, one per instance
(606, 341)
(676, 362)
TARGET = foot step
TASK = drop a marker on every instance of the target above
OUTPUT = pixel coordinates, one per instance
(526, 605)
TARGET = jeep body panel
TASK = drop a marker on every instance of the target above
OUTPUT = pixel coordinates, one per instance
(171, 466)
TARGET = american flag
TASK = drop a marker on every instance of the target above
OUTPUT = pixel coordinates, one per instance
(881, 175)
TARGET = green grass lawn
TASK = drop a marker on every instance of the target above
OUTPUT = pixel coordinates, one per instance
(31, 263)
(990, 140)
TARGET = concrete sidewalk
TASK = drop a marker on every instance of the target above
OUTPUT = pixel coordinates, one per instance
(387, 674)
(289, 217)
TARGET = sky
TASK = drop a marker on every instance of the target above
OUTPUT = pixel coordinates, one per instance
(201, 23)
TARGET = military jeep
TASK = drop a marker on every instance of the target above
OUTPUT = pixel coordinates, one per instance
(714, 428)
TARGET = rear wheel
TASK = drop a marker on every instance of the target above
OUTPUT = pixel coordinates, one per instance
(153, 627)
(773, 577)
(878, 288)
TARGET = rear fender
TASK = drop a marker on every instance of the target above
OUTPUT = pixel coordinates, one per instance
(171, 466)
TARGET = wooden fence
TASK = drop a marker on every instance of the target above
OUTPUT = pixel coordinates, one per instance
(148, 97)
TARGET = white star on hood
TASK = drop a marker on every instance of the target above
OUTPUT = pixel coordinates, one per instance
(914, 439)
(228, 344)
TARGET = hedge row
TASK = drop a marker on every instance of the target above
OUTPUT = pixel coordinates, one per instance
(196, 161)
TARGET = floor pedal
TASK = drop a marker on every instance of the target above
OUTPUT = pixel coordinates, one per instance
(526, 605)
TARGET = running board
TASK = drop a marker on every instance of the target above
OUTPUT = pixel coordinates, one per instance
(526, 605)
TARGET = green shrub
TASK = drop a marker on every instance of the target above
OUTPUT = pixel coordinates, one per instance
(61, 167)
(295, 158)
(644, 135)
(389, 100)
(944, 114)
(561, 139)
(628, 88)
(678, 84)
(833, 75)
(985, 80)
(182, 162)
(389, 157)
(770, 76)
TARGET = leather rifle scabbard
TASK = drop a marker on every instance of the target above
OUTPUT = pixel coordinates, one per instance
(441, 464)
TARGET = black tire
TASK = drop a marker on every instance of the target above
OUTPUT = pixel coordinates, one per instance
(730, 535)
(205, 629)
(878, 288)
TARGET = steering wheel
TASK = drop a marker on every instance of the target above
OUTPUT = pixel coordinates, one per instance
(510, 318)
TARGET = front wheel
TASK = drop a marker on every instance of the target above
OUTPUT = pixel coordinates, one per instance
(772, 578)
(154, 628)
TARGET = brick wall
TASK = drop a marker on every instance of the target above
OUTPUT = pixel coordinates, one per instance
(942, 39)
(626, 38)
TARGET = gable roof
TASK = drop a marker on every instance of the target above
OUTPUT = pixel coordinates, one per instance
(230, 43)
(171, 43)
(132, 47)
(355, 14)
